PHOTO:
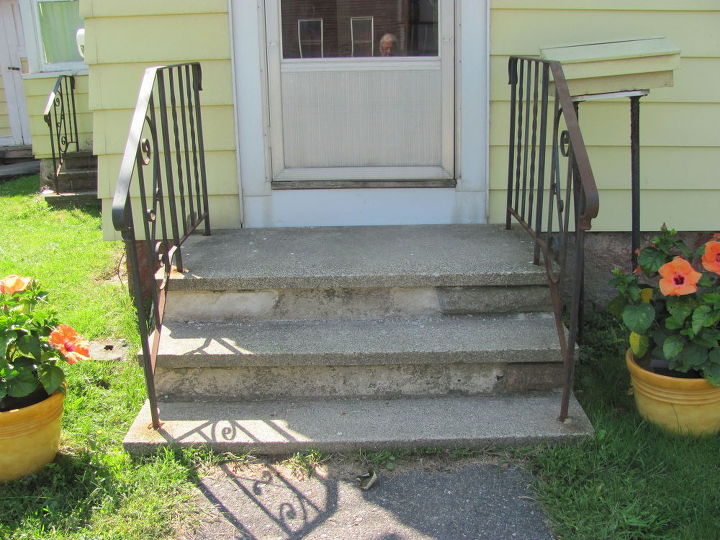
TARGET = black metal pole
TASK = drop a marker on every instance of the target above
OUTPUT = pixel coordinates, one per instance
(635, 175)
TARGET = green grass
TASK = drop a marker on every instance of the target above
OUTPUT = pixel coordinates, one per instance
(93, 489)
(631, 480)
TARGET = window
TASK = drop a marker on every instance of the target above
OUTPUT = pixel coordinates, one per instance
(358, 28)
(361, 31)
(310, 38)
(51, 26)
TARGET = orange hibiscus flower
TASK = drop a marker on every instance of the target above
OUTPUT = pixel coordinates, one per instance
(73, 346)
(12, 284)
(711, 258)
(678, 278)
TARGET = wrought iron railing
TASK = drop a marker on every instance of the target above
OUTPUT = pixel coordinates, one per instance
(61, 117)
(554, 203)
(161, 195)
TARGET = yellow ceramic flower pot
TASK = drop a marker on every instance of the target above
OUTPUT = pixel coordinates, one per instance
(688, 406)
(29, 437)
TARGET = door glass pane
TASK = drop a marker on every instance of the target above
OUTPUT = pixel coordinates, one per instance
(362, 36)
(345, 28)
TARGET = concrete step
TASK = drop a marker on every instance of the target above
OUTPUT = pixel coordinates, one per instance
(77, 179)
(358, 257)
(80, 160)
(353, 303)
(12, 154)
(284, 427)
(391, 357)
(71, 198)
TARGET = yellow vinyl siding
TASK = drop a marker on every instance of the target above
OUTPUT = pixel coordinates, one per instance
(680, 141)
(36, 91)
(135, 35)
(4, 119)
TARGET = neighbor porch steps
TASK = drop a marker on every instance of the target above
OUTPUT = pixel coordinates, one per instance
(278, 340)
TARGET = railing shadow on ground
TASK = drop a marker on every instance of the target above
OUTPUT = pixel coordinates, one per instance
(433, 499)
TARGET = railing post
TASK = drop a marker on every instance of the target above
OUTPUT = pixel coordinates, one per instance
(512, 75)
(170, 182)
(635, 175)
(197, 73)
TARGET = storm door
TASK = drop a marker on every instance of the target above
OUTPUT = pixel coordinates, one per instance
(361, 92)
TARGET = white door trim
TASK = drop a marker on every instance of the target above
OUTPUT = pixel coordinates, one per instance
(263, 207)
(10, 37)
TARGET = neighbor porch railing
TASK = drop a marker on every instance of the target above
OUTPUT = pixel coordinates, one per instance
(161, 195)
(555, 204)
(61, 117)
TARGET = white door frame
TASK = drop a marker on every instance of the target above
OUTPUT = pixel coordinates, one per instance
(11, 46)
(265, 207)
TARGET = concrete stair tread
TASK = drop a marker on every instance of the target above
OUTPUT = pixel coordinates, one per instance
(78, 172)
(381, 256)
(284, 427)
(479, 338)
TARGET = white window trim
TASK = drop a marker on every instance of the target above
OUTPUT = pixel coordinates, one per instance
(33, 42)
(322, 36)
(372, 34)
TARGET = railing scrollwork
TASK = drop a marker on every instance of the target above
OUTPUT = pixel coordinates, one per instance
(61, 118)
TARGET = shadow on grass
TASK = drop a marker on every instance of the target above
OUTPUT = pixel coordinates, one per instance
(60, 496)
(17, 187)
(27, 186)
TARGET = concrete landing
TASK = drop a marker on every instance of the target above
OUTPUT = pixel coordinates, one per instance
(285, 427)
(387, 256)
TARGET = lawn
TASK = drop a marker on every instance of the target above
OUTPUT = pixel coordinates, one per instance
(630, 481)
(93, 489)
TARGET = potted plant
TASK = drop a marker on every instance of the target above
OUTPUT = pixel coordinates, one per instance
(33, 350)
(671, 306)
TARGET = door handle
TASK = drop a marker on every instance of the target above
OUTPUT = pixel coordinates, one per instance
(13, 68)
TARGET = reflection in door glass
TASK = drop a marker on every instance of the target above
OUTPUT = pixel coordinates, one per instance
(345, 28)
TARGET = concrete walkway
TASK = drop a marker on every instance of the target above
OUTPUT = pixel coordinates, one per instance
(467, 499)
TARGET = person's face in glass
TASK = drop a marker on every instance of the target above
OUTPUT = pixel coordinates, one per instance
(386, 47)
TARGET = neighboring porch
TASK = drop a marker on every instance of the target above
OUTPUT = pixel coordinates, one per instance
(278, 340)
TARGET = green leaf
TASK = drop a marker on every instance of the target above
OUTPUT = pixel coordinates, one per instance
(6, 338)
(692, 357)
(3, 389)
(701, 317)
(650, 260)
(712, 374)
(679, 309)
(30, 344)
(671, 323)
(712, 298)
(714, 356)
(638, 318)
(639, 344)
(705, 281)
(672, 346)
(708, 337)
(51, 377)
(617, 305)
(22, 384)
